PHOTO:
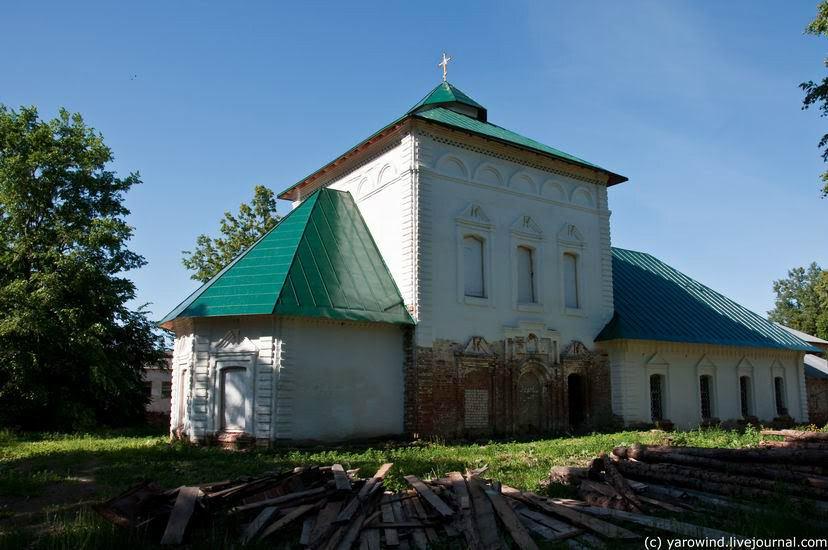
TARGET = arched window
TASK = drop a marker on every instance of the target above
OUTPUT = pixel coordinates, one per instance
(706, 393)
(779, 394)
(475, 285)
(656, 397)
(570, 275)
(745, 397)
(526, 275)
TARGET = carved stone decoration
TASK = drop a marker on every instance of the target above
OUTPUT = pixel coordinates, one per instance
(531, 340)
(577, 350)
(234, 342)
(571, 236)
(527, 227)
(477, 345)
(474, 215)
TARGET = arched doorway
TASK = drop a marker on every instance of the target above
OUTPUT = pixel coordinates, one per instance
(530, 403)
(576, 388)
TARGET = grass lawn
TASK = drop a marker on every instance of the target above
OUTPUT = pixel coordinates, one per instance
(47, 481)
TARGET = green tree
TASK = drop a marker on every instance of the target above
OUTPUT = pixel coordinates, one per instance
(71, 350)
(802, 300)
(817, 93)
(238, 233)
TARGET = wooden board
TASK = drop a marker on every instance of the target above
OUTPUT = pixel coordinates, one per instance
(341, 479)
(429, 496)
(324, 521)
(264, 517)
(180, 516)
(484, 515)
(391, 538)
(294, 515)
(511, 521)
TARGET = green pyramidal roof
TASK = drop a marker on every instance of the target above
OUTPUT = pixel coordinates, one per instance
(447, 95)
(319, 261)
(653, 301)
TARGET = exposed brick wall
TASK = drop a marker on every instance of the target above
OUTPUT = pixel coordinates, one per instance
(450, 393)
(817, 400)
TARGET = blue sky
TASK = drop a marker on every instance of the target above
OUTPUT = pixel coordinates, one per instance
(696, 102)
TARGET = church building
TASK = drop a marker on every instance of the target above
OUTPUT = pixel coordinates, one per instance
(449, 277)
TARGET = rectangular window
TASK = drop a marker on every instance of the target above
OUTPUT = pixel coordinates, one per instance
(779, 393)
(570, 272)
(166, 389)
(656, 397)
(148, 389)
(473, 267)
(744, 395)
(705, 388)
(526, 275)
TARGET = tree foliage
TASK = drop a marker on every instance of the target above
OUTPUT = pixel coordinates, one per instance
(816, 93)
(71, 351)
(802, 300)
(238, 231)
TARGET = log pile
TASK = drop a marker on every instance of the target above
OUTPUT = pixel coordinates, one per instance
(634, 480)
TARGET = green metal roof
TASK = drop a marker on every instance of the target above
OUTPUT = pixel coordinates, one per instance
(446, 94)
(319, 261)
(436, 108)
(653, 301)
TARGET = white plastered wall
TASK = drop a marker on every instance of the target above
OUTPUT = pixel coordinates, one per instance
(305, 379)
(632, 362)
(460, 177)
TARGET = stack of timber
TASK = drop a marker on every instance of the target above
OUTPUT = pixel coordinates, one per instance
(633, 482)
(331, 508)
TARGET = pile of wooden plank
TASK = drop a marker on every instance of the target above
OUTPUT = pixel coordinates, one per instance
(330, 508)
(634, 481)
(333, 508)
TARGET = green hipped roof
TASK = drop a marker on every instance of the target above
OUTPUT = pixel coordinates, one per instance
(436, 107)
(445, 93)
(653, 301)
(319, 261)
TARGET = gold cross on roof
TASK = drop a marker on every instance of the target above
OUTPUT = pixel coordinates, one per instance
(444, 65)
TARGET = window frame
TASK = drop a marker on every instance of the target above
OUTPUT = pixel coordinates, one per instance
(482, 242)
(662, 382)
(571, 241)
(526, 233)
(473, 222)
(657, 365)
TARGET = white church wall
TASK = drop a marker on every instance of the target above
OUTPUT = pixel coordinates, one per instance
(302, 379)
(339, 380)
(632, 363)
(468, 190)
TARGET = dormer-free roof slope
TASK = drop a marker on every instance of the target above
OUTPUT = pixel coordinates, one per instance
(654, 301)
(319, 261)
(449, 107)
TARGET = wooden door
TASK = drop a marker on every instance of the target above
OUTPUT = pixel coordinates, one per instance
(233, 400)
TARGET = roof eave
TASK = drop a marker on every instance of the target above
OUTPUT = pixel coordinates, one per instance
(612, 177)
(290, 194)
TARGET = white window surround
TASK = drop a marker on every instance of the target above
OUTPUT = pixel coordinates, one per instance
(571, 241)
(657, 365)
(527, 233)
(231, 352)
(473, 222)
(778, 371)
(745, 368)
(705, 367)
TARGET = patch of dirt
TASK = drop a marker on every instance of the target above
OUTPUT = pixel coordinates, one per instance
(76, 491)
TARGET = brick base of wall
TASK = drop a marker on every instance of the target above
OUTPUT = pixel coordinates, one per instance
(817, 400)
(462, 390)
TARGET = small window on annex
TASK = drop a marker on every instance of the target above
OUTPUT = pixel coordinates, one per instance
(166, 389)
(706, 395)
(570, 276)
(779, 394)
(745, 397)
(473, 258)
(656, 397)
(526, 275)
